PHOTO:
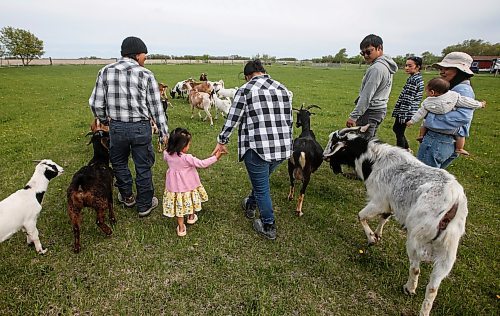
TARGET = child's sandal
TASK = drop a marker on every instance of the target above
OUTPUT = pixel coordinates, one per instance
(183, 233)
(192, 221)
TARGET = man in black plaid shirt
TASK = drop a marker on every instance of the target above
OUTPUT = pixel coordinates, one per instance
(126, 96)
(263, 109)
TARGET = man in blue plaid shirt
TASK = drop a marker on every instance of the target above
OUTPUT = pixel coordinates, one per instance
(126, 96)
(263, 109)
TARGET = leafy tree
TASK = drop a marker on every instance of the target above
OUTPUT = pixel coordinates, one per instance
(341, 56)
(474, 47)
(21, 43)
(429, 58)
(356, 59)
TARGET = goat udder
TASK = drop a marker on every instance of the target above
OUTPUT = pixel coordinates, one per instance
(298, 174)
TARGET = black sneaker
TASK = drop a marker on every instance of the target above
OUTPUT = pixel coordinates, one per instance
(154, 204)
(128, 202)
(266, 230)
(249, 209)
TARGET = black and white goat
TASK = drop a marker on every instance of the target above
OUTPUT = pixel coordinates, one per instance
(307, 155)
(20, 210)
(92, 186)
(428, 202)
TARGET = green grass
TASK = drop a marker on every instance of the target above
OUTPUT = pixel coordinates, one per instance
(222, 267)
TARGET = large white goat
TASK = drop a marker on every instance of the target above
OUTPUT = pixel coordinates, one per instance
(21, 208)
(429, 203)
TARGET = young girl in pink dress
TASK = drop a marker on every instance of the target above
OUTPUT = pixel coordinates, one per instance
(184, 192)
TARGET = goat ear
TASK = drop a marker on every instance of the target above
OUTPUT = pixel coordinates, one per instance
(364, 128)
(104, 143)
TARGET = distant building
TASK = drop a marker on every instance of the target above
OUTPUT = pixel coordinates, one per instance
(483, 63)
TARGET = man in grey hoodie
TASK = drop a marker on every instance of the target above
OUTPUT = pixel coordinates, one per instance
(371, 104)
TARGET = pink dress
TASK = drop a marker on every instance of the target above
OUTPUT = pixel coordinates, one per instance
(184, 192)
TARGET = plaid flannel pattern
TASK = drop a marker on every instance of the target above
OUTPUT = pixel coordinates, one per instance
(410, 98)
(126, 92)
(263, 108)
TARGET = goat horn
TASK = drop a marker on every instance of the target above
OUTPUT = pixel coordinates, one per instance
(295, 109)
(312, 106)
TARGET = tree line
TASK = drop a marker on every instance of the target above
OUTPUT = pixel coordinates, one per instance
(23, 44)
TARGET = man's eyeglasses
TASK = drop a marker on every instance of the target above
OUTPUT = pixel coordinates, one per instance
(366, 52)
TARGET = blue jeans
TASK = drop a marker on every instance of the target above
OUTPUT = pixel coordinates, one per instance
(135, 138)
(259, 172)
(437, 150)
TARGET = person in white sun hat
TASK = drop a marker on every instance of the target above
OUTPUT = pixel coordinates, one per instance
(437, 148)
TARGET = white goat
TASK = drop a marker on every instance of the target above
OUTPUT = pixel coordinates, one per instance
(20, 210)
(221, 105)
(222, 92)
(428, 202)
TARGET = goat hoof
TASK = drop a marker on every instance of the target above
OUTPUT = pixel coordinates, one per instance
(299, 213)
(42, 251)
(290, 197)
(76, 249)
(408, 291)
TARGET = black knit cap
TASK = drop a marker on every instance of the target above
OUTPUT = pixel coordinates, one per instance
(133, 45)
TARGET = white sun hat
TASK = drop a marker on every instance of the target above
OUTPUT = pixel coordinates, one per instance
(459, 60)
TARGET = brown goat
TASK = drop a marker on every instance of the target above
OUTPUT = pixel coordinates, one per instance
(98, 126)
(92, 186)
(201, 101)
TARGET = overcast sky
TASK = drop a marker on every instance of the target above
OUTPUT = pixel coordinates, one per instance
(281, 28)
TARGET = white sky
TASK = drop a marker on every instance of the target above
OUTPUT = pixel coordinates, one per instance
(281, 28)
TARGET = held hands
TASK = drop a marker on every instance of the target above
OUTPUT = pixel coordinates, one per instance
(409, 123)
(219, 150)
(483, 104)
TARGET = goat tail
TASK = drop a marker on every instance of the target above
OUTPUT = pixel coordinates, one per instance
(75, 185)
(300, 161)
(452, 224)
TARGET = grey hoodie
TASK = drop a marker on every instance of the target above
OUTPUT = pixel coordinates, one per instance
(375, 87)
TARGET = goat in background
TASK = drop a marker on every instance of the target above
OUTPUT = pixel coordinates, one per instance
(22, 208)
(92, 186)
(428, 202)
(307, 155)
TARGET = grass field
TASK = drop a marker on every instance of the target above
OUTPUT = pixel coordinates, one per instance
(319, 264)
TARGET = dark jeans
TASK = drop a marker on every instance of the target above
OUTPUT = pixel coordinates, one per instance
(399, 129)
(135, 138)
(259, 172)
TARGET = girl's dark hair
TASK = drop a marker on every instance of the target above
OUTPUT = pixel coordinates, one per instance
(253, 66)
(179, 138)
(417, 60)
(459, 77)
